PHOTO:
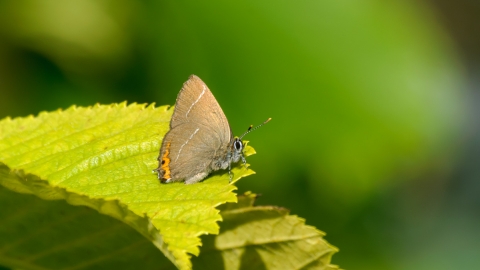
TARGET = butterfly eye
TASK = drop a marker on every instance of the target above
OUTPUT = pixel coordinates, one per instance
(238, 145)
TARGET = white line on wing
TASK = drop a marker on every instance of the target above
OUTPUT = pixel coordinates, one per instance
(181, 147)
(201, 94)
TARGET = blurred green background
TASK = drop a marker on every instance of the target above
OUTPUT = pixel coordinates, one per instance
(375, 137)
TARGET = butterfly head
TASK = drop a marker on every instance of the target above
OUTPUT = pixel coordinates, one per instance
(238, 145)
(237, 149)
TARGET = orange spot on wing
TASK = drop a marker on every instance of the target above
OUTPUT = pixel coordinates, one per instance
(166, 163)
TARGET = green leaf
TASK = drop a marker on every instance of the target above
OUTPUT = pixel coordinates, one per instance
(102, 157)
(52, 234)
(264, 237)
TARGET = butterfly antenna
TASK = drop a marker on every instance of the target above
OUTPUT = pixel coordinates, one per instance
(251, 128)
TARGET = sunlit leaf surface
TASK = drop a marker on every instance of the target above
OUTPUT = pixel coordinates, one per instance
(101, 157)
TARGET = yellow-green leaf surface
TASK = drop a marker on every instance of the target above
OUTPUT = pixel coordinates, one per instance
(264, 237)
(102, 157)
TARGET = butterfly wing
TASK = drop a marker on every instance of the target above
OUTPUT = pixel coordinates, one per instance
(199, 133)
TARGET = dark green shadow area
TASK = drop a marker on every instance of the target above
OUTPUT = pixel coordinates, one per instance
(40, 234)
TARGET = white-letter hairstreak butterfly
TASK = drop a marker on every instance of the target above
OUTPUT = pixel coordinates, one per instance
(199, 140)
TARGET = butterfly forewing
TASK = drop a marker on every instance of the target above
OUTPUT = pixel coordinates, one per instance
(195, 103)
(198, 132)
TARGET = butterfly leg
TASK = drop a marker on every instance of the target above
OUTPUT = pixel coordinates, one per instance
(244, 162)
(230, 171)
